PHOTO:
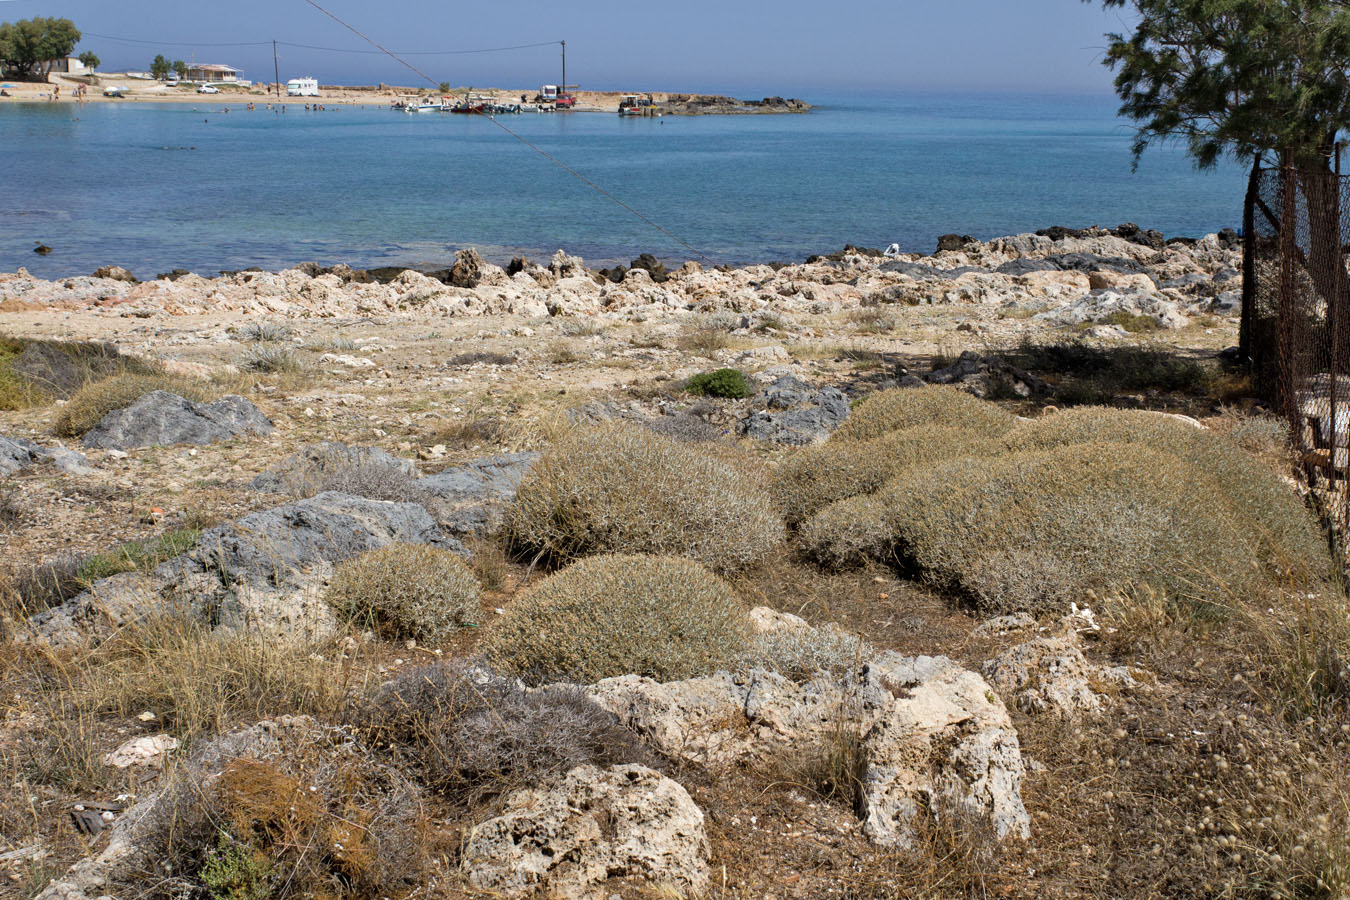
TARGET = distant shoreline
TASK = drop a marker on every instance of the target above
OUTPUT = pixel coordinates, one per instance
(382, 95)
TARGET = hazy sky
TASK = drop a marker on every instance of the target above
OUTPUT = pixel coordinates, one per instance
(752, 48)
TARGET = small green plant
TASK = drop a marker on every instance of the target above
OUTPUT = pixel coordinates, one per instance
(663, 617)
(234, 871)
(407, 591)
(141, 555)
(728, 383)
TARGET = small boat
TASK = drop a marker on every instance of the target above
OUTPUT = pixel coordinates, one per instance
(633, 105)
(474, 105)
(424, 106)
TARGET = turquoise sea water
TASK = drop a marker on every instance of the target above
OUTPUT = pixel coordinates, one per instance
(164, 186)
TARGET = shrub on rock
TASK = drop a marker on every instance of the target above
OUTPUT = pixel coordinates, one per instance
(621, 488)
(407, 591)
(728, 383)
(901, 408)
(87, 407)
(662, 617)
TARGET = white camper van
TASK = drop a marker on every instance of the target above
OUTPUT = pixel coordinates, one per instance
(302, 87)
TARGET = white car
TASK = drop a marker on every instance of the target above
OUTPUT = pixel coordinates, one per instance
(207, 89)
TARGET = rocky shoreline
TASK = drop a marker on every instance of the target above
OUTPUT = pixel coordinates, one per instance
(1112, 281)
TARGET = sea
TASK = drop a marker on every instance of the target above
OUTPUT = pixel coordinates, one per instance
(158, 187)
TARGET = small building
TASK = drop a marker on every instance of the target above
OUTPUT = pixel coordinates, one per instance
(302, 87)
(213, 74)
(71, 65)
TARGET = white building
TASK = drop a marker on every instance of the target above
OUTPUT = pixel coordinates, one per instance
(302, 87)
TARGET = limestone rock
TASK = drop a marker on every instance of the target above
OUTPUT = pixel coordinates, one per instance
(17, 453)
(792, 412)
(944, 745)
(468, 269)
(566, 839)
(1051, 675)
(162, 419)
(477, 495)
(985, 375)
(115, 273)
(142, 753)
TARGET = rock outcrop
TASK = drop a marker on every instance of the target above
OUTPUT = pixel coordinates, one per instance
(17, 453)
(475, 496)
(566, 839)
(1051, 675)
(162, 419)
(792, 412)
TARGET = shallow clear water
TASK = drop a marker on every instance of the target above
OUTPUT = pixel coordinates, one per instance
(164, 186)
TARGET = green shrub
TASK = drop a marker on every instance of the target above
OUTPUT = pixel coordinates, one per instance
(407, 590)
(621, 488)
(901, 408)
(1037, 529)
(1287, 538)
(663, 617)
(817, 476)
(728, 383)
(94, 401)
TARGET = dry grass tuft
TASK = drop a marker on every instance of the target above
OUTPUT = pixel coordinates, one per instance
(663, 617)
(34, 372)
(407, 591)
(621, 488)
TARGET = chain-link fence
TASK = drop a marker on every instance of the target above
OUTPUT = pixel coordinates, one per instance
(1296, 317)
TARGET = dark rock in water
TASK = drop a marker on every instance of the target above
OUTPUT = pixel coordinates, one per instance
(949, 242)
(172, 276)
(42, 249)
(518, 264)
(1145, 237)
(990, 377)
(475, 496)
(116, 273)
(614, 275)
(467, 270)
(795, 413)
(279, 546)
(300, 473)
(162, 419)
(17, 453)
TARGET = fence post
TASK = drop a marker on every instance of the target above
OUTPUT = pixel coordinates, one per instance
(1249, 261)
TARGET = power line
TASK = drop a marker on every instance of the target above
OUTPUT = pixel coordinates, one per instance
(109, 37)
(553, 159)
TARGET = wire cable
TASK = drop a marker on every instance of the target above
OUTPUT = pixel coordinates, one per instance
(553, 159)
(109, 37)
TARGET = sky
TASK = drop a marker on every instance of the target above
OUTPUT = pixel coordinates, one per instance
(788, 47)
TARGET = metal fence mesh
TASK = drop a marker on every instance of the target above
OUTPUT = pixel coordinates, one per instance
(1296, 318)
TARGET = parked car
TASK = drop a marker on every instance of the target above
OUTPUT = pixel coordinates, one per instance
(207, 89)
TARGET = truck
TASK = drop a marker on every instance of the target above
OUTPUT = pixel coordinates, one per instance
(560, 97)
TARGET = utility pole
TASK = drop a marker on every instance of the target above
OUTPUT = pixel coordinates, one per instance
(562, 88)
(276, 68)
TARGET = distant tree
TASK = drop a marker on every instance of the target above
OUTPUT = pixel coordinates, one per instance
(160, 68)
(28, 48)
(445, 87)
(90, 60)
(180, 68)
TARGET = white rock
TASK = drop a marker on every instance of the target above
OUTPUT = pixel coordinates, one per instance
(142, 752)
(566, 839)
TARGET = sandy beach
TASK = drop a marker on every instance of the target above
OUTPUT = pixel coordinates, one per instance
(139, 90)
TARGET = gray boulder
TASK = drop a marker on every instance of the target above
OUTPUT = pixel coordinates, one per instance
(475, 496)
(792, 412)
(17, 453)
(162, 419)
(566, 839)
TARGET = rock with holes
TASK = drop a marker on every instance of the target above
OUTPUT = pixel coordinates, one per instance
(1051, 675)
(566, 839)
(943, 746)
(162, 419)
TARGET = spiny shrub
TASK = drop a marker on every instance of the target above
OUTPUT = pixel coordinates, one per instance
(264, 332)
(407, 591)
(269, 360)
(662, 617)
(848, 533)
(283, 815)
(728, 383)
(94, 401)
(802, 653)
(901, 408)
(817, 476)
(622, 488)
(1038, 529)
(471, 736)
(1287, 538)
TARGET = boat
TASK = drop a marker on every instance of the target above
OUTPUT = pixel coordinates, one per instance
(634, 105)
(424, 106)
(474, 105)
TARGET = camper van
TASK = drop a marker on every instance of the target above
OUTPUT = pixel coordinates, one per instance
(302, 87)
